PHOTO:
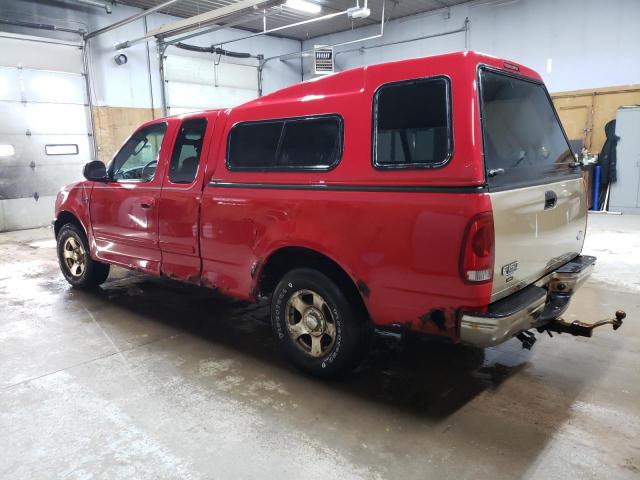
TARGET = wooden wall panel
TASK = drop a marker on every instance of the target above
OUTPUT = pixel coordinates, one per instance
(584, 113)
(113, 125)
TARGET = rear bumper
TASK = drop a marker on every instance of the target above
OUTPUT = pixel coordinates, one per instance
(530, 307)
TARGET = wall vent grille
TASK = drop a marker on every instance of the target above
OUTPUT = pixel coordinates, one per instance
(323, 60)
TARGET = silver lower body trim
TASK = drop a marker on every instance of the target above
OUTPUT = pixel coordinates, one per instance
(524, 309)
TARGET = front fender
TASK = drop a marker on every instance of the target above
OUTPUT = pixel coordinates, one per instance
(72, 205)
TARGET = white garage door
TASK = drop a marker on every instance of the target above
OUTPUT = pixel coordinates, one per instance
(44, 127)
(194, 84)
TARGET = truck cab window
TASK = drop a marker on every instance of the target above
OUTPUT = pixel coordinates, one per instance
(310, 143)
(138, 158)
(412, 128)
(186, 153)
(292, 144)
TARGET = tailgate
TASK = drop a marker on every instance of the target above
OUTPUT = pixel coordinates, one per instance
(531, 240)
(537, 195)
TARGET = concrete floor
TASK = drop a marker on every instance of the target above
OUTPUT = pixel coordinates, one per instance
(151, 379)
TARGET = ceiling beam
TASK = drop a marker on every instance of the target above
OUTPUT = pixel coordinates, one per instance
(207, 18)
(198, 21)
(130, 19)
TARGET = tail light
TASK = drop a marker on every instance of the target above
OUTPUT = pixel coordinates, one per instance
(478, 249)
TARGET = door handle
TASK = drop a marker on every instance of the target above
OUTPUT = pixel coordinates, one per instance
(550, 199)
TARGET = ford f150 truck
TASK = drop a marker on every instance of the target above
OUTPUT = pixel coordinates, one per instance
(436, 195)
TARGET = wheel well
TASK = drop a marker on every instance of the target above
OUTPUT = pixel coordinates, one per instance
(64, 218)
(289, 258)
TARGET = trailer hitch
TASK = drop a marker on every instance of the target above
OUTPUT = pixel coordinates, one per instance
(580, 329)
(527, 338)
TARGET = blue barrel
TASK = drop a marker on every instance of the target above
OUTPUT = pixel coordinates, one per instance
(596, 188)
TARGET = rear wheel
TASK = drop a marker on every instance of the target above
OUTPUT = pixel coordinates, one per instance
(77, 266)
(319, 330)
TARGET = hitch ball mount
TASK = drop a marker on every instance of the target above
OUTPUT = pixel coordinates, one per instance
(576, 328)
(580, 329)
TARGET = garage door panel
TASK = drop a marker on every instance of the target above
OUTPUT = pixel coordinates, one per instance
(31, 171)
(24, 182)
(42, 118)
(194, 84)
(32, 148)
(9, 84)
(200, 97)
(32, 52)
(21, 213)
(180, 110)
(53, 87)
(42, 104)
(205, 72)
(189, 70)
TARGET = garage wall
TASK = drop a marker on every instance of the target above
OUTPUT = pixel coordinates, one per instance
(130, 94)
(584, 113)
(123, 96)
(196, 83)
(44, 126)
(573, 44)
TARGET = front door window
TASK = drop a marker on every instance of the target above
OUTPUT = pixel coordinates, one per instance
(138, 158)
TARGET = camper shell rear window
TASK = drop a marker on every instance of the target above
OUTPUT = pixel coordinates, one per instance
(523, 140)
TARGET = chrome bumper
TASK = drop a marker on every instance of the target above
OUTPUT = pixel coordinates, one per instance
(533, 306)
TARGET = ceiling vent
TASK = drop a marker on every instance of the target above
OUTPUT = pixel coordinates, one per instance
(323, 60)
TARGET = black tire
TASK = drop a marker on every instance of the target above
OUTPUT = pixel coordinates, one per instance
(338, 353)
(77, 266)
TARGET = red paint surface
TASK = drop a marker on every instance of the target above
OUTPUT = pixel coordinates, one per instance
(405, 246)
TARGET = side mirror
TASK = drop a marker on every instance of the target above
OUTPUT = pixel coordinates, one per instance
(95, 171)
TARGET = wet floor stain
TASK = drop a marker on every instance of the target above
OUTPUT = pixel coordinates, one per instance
(151, 378)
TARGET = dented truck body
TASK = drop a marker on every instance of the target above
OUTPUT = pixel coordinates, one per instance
(475, 240)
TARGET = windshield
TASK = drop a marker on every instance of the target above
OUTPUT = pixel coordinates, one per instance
(523, 141)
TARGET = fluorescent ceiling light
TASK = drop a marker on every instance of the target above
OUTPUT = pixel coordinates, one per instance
(303, 6)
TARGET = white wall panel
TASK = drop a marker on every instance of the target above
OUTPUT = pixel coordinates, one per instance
(590, 43)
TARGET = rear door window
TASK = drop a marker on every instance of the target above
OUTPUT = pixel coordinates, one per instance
(523, 141)
(294, 144)
(412, 124)
(186, 152)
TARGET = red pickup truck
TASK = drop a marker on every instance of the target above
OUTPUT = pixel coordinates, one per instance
(436, 195)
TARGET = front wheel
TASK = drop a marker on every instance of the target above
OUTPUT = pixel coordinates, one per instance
(319, 330)
(77, 266)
